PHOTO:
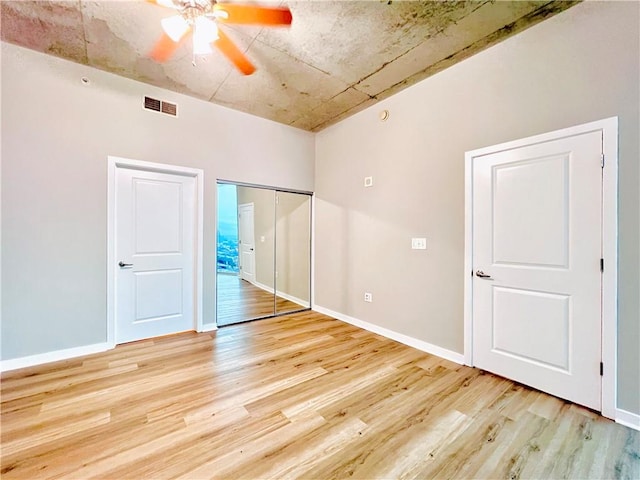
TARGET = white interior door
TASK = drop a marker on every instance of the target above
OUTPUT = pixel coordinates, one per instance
(154, 250)
(247, 242)
(537, 233)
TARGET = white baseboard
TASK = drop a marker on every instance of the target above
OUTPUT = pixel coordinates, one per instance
(628, 419)
(39, 359)
(398, 337)
(280, 294)
(293, 299)
(262, 286)
(208, 327)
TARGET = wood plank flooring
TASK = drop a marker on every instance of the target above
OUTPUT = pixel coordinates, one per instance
(239, 301)
(303, 396)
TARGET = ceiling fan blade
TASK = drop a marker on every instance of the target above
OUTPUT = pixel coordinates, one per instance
(226, 46)
(252, 15)
(164, 48)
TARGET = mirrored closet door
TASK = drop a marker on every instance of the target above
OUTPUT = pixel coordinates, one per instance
(293, 252)
(263, 253)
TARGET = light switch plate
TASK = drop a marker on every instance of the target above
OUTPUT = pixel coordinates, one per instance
(418, 243)
(368, 181)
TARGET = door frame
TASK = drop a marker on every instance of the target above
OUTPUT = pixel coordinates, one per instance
(113, 163)
(609, 318)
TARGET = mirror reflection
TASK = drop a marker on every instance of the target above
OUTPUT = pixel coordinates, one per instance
(293, 251)
(263, 253)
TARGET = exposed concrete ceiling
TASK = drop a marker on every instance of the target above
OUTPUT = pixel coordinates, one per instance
(337, 57)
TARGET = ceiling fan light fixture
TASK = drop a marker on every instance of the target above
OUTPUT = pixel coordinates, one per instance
(166, 3)
(200, 47)
(206, 29)
(175, 27)
(204, 33)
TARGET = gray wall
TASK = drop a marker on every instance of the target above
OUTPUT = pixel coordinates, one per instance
(56, 136)
(579, 66)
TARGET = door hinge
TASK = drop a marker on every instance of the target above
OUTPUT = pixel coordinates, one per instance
(602, 161)
(602, 264)
(601, 369)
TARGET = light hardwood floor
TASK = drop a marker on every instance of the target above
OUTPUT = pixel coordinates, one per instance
(303, 396)
(239, 301)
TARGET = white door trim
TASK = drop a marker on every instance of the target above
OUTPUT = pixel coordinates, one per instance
(117, 162)
(609, 128)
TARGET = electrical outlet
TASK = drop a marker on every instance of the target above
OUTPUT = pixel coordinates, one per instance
(419, 243)
(368, 297)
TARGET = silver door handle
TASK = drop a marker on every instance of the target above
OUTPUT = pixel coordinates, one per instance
(481, 274)
(122, 264)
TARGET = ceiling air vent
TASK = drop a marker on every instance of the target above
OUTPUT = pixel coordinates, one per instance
(161, 106)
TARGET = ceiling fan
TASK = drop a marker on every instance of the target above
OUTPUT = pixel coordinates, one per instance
(200, 18)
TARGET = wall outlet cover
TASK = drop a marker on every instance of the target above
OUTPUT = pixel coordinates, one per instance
(419, 243)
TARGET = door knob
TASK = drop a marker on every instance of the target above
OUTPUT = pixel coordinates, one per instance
(481, 274)
(122, 264)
